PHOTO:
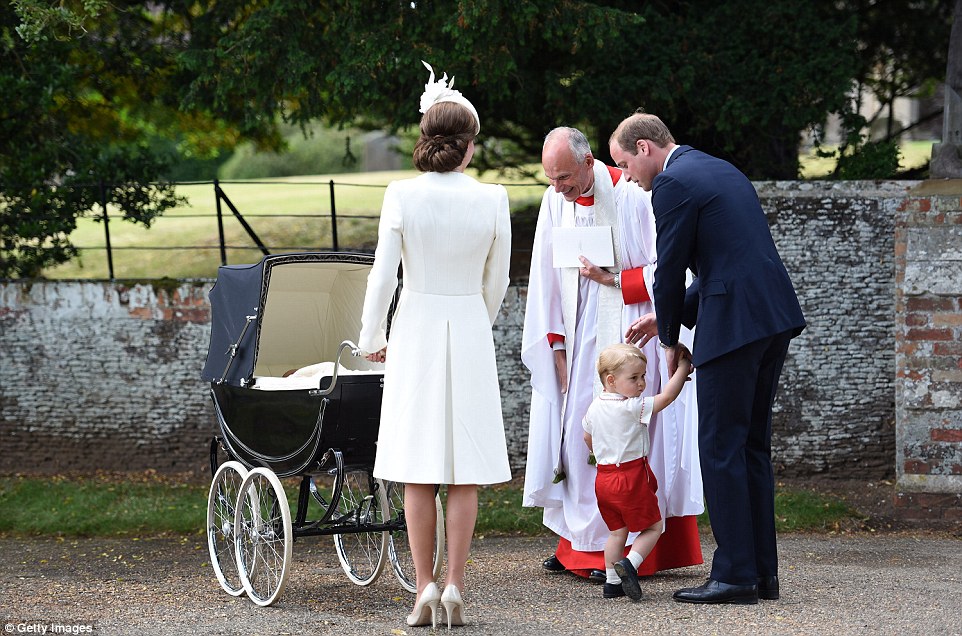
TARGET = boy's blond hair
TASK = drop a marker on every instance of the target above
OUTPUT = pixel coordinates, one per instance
(613, 357)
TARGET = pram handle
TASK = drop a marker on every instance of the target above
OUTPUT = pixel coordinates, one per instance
(355, 352)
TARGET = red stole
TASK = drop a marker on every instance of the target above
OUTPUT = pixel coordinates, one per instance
(589, 201)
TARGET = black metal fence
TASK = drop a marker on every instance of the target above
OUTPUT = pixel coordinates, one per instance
(226, 211)
(222, 200)
(221, 197)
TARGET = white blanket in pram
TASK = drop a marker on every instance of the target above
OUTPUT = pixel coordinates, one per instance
(308, 377)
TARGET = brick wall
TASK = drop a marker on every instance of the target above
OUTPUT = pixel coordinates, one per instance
(106, 374)
(928, 260)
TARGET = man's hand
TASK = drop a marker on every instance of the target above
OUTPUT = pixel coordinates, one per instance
(592, 272)
(561, 367)
(642, 330)
(674, 355)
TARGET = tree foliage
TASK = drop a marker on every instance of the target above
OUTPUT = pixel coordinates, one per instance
(70, 119)
(741, 79)
(526, 65)
(84, 101)
(41, 20)
(896, 58)
(903, 46)
(91, 87)
(748, 77)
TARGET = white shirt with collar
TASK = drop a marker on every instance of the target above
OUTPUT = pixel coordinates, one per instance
(619, 427)
(668, 157)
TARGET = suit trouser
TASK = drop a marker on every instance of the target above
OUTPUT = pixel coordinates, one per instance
(735, 396)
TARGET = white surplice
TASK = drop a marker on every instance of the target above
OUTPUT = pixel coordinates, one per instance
(441, 419)
(592, 316)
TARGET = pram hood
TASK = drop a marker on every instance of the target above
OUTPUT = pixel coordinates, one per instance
(303, 306)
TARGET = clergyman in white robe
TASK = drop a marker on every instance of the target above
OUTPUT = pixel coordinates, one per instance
(590, 316)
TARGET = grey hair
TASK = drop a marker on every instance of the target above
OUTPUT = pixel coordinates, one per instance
(577, 142)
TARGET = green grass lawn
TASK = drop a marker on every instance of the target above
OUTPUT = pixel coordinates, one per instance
(98, 506)
(147, 505)
(913, 155)
(288, 214)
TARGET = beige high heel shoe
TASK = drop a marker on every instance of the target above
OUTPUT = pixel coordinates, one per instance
(426, 609)
(453, 605)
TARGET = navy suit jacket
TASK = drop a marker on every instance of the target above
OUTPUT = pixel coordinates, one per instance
(708, 218)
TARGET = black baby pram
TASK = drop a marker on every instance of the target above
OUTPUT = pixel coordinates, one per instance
(294, 399)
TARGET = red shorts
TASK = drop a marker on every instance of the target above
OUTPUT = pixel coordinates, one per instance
(626, 495)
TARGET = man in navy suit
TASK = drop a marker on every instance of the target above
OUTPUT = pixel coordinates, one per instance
(708, 219)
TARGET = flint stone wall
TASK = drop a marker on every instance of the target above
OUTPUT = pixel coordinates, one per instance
(105, 375)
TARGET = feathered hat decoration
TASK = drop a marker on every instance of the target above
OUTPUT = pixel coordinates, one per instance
(442, 90)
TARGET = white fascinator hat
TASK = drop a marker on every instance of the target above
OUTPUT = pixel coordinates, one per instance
(442, 91)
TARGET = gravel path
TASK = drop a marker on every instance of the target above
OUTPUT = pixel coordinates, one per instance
(862, 583)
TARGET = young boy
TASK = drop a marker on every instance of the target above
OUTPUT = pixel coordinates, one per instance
(616, 431)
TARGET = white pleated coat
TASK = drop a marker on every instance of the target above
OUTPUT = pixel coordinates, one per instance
(441, 419)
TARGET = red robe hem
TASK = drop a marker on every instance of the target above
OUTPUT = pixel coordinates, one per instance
(678, 547)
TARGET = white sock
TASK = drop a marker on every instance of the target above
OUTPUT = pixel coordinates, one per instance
(635, 558)
(612, 576)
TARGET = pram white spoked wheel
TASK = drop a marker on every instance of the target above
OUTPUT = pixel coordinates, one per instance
(399, 549)
(363, 502)
(221, 502)
(264, 537)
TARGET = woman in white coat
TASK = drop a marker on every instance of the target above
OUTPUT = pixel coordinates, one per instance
(441, 417)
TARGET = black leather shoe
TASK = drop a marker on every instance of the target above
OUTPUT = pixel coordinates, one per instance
(552, 564)
(629, 579)
(613, 590)
(597, 577)
(768, 588)
(717, 592)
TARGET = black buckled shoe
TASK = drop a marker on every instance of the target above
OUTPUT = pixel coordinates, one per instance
(717, 592)
(629, 579)
(768, 588)
(597, 577)
(613, 590)
(552, 564)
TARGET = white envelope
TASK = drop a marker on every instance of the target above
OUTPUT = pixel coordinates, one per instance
(594, 243)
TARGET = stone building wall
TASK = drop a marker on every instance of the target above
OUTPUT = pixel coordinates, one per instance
(834, 413)
(105, 375)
